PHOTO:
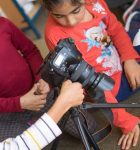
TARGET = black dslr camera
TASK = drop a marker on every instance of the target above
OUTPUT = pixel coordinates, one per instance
(66, 62)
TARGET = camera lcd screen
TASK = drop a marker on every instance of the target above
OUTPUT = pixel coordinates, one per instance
(59, 60)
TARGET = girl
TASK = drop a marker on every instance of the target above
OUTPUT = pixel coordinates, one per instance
(105, 45)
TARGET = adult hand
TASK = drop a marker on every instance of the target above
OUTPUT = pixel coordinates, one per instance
(132, 71)
(71, 95)
(33, 102)
(130, 139)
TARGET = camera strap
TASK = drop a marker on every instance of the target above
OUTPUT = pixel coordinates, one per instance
(101, 134)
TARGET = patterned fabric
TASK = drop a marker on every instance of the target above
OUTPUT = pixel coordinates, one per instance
(98, 37)
(36, 137)
(85, 118)
(13, 124)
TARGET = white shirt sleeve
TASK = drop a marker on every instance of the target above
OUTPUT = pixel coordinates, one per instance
(36, 137)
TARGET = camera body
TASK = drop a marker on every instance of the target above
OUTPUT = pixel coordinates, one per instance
(66, 62)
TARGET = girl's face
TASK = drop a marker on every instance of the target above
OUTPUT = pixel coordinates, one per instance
(67, 14)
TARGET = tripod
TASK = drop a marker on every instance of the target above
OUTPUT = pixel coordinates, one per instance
(87, 139)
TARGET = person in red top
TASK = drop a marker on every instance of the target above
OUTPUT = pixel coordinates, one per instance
(105, 45)
(19, 62)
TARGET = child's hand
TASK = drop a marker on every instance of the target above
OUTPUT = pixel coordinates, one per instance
(42, 87)
(132, 71)
(33, 102)
(130, 139)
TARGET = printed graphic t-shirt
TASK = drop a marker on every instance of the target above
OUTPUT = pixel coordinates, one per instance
(105, 45)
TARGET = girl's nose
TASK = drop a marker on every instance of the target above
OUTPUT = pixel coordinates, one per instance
(71, 21)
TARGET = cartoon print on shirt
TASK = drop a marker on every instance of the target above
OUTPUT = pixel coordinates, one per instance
(98, 8)
(91, 39)
(98, 37)
(94, 36)
(109, 59)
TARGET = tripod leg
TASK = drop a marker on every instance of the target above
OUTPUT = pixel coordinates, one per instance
(83, 131)
(90, 138)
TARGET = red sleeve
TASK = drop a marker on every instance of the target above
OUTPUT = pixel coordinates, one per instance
(122, 119)
(26, 48)
(11, 104)
(119, 36)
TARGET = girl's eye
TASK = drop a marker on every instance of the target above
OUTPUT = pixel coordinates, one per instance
(59, 16)
(76, 11)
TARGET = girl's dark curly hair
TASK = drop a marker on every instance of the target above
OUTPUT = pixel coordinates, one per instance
(49, 4)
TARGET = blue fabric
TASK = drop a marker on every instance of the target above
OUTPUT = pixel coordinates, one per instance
(125, 90)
